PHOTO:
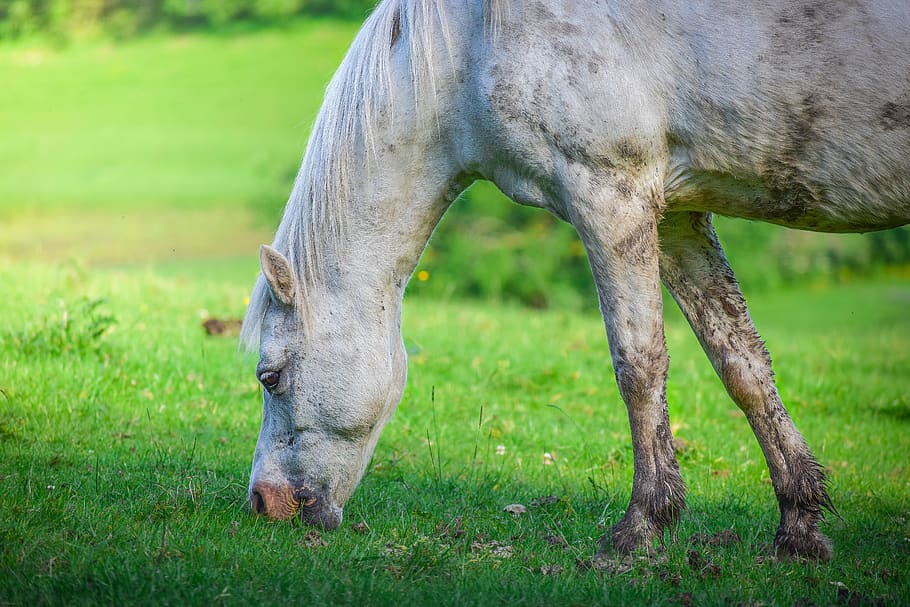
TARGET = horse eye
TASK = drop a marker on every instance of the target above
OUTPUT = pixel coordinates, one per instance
(269, 379)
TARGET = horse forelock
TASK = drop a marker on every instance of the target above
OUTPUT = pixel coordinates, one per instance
(343, 136)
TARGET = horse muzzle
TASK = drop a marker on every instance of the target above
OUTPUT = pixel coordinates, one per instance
(287, 501)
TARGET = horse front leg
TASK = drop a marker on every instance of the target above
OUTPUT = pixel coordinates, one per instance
(696, 273)
(620, 234)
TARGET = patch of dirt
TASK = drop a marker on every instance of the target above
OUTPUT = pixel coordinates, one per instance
(361, 528)
(312, 539)
(851, 598)
(674, 579)
(222, 327)
(547, 500)
(451, 530)
(493, 548)
(550, 569)
(556, 541)
(702, 566)
(619, 565)
(724, 537)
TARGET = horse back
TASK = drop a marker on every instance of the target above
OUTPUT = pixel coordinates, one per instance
(796, 113)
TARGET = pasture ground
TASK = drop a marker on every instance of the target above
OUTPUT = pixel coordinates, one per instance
(125, 456)
(126, 433)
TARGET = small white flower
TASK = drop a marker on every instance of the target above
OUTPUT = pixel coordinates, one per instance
(500, 449)
(548, 459)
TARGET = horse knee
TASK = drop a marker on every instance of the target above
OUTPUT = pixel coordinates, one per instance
(749, 383)
(641, 378)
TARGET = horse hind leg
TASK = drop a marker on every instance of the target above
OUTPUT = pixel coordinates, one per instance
(696, 273)
(622, 250)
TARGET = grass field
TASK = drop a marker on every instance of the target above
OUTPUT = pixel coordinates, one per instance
(161, 149)
(200, 120)
(129, 211)
(125, 458)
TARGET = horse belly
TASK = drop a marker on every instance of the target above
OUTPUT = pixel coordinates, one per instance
(787, 200)
(802, 156)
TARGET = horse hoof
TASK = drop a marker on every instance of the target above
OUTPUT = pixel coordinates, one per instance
(812, 545)
(627, 538)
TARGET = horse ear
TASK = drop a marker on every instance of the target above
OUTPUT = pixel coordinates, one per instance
(278, 274)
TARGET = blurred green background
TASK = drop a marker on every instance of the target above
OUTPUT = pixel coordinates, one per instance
(168, 131)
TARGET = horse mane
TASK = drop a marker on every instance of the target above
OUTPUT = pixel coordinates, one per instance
(355, 96)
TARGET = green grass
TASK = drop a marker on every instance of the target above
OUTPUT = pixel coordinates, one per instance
(125, 457)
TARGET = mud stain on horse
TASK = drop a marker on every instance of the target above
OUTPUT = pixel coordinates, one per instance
(802, 27)
(632, 154)
(639, 245)
(895, 116)
(801, 124)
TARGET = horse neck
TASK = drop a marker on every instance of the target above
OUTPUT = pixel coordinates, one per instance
(399, 171)
(397, 211)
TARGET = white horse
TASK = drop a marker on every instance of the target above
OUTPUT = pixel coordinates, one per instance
(633, 121)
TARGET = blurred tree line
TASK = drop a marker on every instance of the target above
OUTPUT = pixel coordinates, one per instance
(63, 20)
(488, 248)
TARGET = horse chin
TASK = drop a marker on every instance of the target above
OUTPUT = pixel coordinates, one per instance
(317, 509)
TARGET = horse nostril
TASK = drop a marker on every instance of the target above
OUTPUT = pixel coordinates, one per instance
(258, 503)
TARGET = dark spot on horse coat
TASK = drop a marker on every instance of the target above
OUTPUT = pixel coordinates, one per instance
(785, 193)
(396, 30)
(801, 27)
(895, 116)
(624, 188)
(790, 198)
(632, 154)
(801, 123)
(639, 244)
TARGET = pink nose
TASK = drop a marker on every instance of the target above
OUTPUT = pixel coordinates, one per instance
(273, 502)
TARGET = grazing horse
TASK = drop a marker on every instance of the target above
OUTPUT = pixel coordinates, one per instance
(634, 122)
